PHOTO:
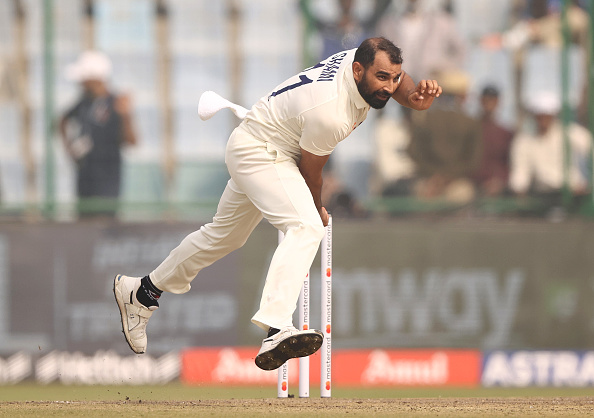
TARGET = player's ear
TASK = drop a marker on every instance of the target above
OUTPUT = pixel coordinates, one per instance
(358, 71)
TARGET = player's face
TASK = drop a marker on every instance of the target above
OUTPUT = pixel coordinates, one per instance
(379, 82)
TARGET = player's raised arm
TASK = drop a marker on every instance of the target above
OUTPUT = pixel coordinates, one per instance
(417, 97)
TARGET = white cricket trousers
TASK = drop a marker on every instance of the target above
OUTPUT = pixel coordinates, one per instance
(264, 183)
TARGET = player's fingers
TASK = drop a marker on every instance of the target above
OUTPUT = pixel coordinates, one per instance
(432, 87)
(439, 91)
(422, 86)
(435, 86)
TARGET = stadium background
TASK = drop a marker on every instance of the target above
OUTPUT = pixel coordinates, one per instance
(505, 289)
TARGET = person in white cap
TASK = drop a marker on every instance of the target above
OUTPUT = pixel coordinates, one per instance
(537, 157)
(93, 131)
(275, 158)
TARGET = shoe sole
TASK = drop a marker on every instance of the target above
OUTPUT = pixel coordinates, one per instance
(123, 316)
(292, 347)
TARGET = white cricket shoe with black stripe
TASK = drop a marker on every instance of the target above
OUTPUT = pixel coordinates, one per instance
(134, 314)
(286, 344)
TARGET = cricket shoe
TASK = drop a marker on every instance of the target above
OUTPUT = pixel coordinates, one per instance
(134, 314)
(286, 344)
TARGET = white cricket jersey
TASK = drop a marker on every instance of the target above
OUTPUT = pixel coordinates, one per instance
(314, 110)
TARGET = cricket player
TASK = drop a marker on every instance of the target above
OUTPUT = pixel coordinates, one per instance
(275, 158)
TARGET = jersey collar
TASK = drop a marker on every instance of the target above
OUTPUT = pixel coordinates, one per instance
(354, 94)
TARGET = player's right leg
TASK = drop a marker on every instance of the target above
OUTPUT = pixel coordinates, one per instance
(274, 184)
(136, 297)
(230, 228)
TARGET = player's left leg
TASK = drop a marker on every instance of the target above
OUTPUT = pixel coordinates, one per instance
(291, 209)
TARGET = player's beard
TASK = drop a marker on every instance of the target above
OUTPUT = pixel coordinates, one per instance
(371, 97)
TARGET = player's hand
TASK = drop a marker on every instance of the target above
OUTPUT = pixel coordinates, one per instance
(422, 97)
(324, 216)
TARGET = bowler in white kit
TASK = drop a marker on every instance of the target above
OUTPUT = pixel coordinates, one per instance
(275, 159)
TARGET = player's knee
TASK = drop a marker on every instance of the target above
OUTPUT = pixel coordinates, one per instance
(315, 231)
(238, 243)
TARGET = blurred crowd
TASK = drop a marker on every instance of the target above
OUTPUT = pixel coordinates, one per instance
(496, 134)
(451, 154)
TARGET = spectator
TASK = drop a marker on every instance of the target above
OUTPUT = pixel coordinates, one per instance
(537, 164)
(542, 25)
(93, 132)
(343, 29)
(493, 172)
(446, 145)
(395, 170)
(432, 40)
